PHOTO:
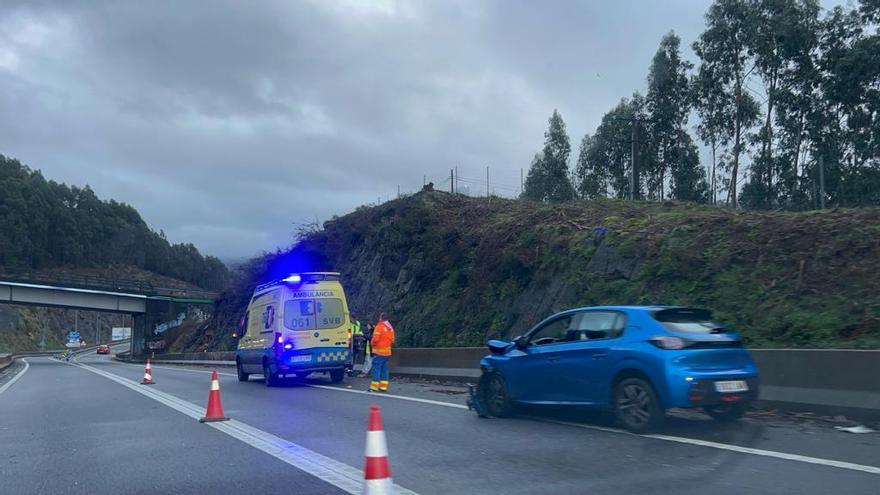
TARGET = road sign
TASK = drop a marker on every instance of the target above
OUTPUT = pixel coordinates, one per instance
(73, 336)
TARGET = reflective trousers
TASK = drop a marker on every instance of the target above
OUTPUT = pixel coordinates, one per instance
(379, 373)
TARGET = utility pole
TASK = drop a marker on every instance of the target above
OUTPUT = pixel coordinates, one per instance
(43, 335)
(97, 327)
(451, 181)
(487, 181)
(821, 182)
(521, 182)
(398, 191)
(456, 178)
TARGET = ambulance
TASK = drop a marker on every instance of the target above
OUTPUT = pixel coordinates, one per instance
(294, 327)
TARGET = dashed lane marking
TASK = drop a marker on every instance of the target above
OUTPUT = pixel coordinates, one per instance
(668, 438)
(16, 377)
(336, 473)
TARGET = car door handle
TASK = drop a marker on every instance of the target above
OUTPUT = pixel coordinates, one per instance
(600, 356)
(552, 358)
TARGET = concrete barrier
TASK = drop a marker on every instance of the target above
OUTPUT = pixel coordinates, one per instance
(825, 381)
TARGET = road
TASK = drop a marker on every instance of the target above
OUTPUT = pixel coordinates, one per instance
(91, 428)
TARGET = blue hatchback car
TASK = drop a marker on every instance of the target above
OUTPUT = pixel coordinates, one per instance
(635, 360)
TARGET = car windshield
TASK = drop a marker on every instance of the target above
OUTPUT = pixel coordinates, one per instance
(689, 320)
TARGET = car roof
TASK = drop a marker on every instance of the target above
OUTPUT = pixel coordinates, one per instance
(653, 307)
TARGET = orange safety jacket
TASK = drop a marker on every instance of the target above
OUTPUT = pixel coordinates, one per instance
(383, 338)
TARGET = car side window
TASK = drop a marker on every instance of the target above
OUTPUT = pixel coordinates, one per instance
(596, 325)
(553, 332)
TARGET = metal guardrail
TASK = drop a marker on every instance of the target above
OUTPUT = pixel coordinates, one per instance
(78, 281)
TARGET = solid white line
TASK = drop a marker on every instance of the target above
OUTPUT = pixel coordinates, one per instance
(329, 470)
(337, 389)
(668, 438)
(16, 377)
(724, 446)
(770, 453)
(390, 396)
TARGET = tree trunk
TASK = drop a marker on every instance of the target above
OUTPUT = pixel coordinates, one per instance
(768, 136)
(714, 147)
(731, 194)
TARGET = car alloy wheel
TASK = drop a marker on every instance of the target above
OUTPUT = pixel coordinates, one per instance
(637, 407)
(496, 395)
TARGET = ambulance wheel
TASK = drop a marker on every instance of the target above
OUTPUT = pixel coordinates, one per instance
(271, 379)
(242, 376)
(337, 376)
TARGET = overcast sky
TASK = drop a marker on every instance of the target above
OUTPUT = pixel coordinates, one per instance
(224, 123)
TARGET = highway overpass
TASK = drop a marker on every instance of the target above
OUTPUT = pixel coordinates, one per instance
(152, 308)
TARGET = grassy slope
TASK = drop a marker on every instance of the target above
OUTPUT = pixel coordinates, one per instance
(455, 271)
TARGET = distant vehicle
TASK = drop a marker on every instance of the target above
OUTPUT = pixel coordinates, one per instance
(103, 349)
(637, 361)
(294, 327)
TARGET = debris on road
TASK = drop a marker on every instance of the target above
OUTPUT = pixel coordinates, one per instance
(856, 429)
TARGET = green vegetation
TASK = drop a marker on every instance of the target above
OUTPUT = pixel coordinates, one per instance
(45, 225)
(785, 94)
(455, 271)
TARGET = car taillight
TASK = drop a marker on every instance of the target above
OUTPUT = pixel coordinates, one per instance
(669, 343)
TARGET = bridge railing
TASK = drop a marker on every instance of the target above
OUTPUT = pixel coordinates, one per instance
(116, 284)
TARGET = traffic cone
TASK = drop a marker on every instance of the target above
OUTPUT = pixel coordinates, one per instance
(377, 472)
(148, 375)
(215, 407)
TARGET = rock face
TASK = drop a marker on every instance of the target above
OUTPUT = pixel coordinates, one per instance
(452, 270)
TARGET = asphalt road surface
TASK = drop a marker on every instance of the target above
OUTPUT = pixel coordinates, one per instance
(92, 428)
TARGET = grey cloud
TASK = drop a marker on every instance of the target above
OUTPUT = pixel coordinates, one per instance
(224, 122)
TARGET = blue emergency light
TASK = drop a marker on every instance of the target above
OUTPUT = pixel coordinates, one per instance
(293, 278)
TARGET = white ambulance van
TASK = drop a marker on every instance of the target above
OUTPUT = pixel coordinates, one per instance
(293, 327)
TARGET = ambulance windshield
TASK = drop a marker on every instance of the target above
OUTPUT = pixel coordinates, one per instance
(313, 314)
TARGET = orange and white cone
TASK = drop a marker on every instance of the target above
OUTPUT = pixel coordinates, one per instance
(214, 411)
(377, 472)
(148, 375)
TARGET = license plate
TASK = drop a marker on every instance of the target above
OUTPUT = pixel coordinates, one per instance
(731, 386)
(301, 358)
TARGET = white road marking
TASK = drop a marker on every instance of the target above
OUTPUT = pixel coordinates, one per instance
(390, 396)
(338, 389)
(667, 438)
(724, 446)
(336, 473)
(16, 377)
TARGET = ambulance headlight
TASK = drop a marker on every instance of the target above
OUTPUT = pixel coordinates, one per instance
(294, 278)
(288, 346)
